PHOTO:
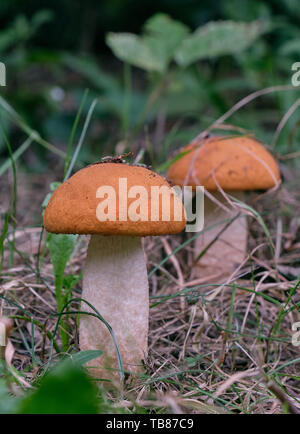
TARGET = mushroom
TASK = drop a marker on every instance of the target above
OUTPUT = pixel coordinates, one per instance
(115, 276)
(230, 164)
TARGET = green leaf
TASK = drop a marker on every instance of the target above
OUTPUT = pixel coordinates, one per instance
(85, 356)
(155, 48)
(132, 49)
(217, 39)
(70, 280)
(65, 390)
(7, 402)
(60, 248)
(163, 36)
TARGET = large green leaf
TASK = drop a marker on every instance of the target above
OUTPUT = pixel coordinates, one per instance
(132, 49)
(65, 390)
(217, 39)
(163, 36)
(155, 48)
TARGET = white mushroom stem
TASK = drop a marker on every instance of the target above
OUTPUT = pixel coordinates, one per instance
(115, 282)
(230, 248)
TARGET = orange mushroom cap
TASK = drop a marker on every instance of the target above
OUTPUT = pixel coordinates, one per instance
(234, 163)
(72, 207)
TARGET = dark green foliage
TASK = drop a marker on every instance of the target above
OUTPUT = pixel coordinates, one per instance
(65, 390)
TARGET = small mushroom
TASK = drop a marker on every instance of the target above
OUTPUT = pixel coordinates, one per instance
(224, 164)
(115, 277)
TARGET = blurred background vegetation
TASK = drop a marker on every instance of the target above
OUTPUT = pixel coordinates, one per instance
(54, 51)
